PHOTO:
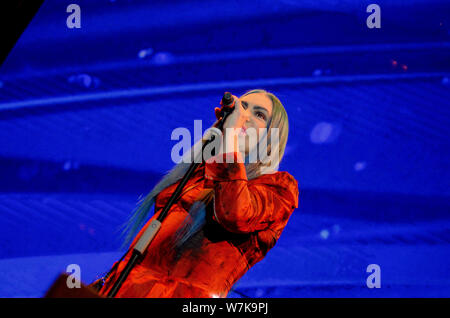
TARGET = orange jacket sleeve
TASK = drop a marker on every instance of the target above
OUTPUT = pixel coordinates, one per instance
(241, 206)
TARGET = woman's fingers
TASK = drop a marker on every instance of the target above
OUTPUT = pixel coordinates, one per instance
(237, 105)
(231, 118)
(238, 117)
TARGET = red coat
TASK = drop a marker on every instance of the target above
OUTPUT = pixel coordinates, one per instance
(247, 220)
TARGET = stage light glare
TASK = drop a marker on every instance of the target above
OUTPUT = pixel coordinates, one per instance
(145, 53)
(324, 234)
(324, 132)
(163, 58)
(360, 165)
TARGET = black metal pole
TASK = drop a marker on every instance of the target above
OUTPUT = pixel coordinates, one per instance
(137, 252)
(124, 274)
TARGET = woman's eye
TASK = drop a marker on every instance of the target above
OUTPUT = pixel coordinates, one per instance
(261, 115)
(245, 105)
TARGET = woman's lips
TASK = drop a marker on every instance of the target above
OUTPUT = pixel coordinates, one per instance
(243, 132)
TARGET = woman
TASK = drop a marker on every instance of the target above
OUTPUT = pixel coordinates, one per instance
(229, 215)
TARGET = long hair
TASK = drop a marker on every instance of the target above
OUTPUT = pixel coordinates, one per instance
(196, 218)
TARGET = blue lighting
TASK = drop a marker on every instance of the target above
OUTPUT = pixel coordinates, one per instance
(86, 117)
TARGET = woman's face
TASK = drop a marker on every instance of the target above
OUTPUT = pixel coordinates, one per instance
(257, 111)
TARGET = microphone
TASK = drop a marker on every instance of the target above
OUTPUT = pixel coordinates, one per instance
(227, 106)
(227, 100)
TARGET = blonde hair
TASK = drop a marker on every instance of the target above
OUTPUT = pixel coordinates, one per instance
(195, 220)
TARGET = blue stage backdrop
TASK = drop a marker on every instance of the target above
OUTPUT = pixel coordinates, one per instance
(86, 116)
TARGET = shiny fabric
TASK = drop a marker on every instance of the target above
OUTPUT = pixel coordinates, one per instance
(243, 222)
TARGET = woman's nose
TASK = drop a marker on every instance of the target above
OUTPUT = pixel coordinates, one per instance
(246, 115)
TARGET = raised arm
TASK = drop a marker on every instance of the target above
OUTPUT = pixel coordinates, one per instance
(243, 206)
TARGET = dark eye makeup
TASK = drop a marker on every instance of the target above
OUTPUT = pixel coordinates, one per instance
(263, 116)
(257, 113)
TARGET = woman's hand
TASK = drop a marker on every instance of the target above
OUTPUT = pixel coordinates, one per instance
(232, 127)
(236, 119)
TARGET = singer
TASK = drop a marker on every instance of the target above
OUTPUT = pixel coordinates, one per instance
(228, 216)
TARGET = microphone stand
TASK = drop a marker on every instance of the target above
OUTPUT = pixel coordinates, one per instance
(153, 228)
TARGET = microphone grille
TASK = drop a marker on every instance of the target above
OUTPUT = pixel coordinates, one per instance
(227, 99)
